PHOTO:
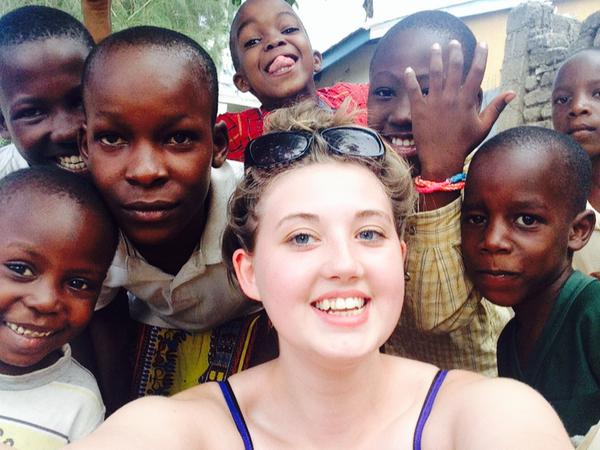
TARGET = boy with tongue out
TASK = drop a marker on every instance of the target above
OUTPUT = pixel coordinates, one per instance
(274, 60)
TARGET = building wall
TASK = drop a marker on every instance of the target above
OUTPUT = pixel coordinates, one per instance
(537, 42)
(489, 28)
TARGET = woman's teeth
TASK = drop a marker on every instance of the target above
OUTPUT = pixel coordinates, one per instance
(27, 333)
(341, 306)
(73, 162)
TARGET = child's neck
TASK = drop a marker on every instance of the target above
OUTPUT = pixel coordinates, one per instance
(49, 359)
(170, 256)
(533, 313)
(594, 197)
(309, 92)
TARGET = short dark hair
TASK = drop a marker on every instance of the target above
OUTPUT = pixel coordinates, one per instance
(37, 23)
(149, 36)
(440, 22)
(574, 168)
(52, 181)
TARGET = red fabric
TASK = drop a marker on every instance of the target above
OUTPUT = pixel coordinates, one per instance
(244, 126)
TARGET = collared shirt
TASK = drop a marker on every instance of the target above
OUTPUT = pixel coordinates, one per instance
(587, 260)
(444, 320)
(11, 160)
(199, 296)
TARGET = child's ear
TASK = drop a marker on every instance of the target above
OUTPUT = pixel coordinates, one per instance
(4, 134)
(317, 61)
(240, 82)
(581, 229)
(243, 263)
(82, 143)
(220, 144)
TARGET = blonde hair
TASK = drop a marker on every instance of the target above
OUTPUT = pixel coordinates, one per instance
(242, 219)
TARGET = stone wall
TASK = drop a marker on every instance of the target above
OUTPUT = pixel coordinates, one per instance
(537, 42)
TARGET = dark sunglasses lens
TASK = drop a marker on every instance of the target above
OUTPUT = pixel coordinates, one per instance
(277, 148)
(354, 142)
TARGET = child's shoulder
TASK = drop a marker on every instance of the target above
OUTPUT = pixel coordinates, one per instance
(11, 160)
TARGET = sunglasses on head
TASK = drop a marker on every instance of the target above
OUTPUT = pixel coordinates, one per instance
(285, 147)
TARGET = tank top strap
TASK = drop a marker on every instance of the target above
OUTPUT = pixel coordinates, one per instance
(236, 413)
(434, 388)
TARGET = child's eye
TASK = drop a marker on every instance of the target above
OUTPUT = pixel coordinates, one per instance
(370, 235)
(112, 140)
(290, 30)
(384, 92)
(596, 94)
(475, 219)
(251, 42)
(560, 100)
(29, 113)
(20, 269)
(179, 139)
(79, 284)
(526, 220)
(425, 91)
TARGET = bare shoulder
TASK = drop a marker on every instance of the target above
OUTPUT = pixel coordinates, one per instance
(473, 411)
(190, 419)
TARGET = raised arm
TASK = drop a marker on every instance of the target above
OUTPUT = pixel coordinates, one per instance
(96, 17)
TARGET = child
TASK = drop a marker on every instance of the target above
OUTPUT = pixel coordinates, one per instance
(316, 238)
(576, 112)
(42, 51)
(274, 60)
(523, 217)
(154, 151)
(428, 108)
(56, 242)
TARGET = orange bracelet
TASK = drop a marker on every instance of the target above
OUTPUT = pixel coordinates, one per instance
(454, 183)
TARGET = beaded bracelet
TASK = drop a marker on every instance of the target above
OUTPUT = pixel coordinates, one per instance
(454, 183)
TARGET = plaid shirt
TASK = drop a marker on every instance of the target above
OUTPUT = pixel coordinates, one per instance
(444, 320)
(244, 126)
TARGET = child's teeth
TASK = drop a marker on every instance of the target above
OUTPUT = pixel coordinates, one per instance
(71, 162)
(26, 332)
(403, 142)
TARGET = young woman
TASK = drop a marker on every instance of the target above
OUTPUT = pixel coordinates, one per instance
(315, 234)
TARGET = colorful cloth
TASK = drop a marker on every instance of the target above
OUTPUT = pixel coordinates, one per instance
(444, 319)
(564, 365)
(169, 361)
(244, 126)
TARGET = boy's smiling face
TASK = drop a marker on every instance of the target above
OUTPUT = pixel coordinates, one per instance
(515, 234)
(53, 259)
(149, 141)
(40, 100)
(576, 100)
(276, 59)
(388, 104)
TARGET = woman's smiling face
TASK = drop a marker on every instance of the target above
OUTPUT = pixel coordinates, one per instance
(328, 262)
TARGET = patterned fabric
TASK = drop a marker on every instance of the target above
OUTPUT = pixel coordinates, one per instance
(169, 361)
(444, 320)
(244, 126)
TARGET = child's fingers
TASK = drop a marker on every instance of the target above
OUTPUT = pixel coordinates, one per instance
(436, 70)
(475, 76)
(455, 66)
(413, 88)
(492, 111)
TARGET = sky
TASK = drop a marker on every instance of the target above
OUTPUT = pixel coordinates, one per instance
(329, 21)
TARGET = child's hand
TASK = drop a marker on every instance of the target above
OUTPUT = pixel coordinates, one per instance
(446, 122)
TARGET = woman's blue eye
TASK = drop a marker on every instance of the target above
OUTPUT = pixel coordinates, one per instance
(301, 239)
(370, 235)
